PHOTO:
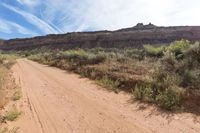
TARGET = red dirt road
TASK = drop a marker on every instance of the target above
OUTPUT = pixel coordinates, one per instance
(55, 101)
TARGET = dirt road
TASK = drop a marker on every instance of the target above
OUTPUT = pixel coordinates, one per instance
(55, 101)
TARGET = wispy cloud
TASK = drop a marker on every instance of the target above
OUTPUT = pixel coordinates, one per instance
(50, 16)
(9, 27)
(30, 3)
(4, 27)
(32, 19)
(80, 15)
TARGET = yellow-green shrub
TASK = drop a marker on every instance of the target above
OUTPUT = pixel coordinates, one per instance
(154, 51)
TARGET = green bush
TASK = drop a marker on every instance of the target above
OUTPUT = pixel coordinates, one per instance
(166, 98)
(134, 53)
(17, 95)
(138, 92)
(165, 79)
(193, 53)
(81, 57)
(151, 93)
(178, 48)
(75, 54)
(154, 51)
(109, 83)
(12, 114)
(191, 79)
(169, 99)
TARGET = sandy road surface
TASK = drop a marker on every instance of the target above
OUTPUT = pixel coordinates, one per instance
(55, 101)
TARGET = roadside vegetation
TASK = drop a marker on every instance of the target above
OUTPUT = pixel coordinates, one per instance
(6, 61)
(12, 114)
(6, 130)
(167, 76)
(9, 91)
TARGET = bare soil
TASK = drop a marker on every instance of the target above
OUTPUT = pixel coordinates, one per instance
(55, 101)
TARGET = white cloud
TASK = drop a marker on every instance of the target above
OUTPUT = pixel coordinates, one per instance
(4, 27)
(42, 25)
(8, 27)
(57, 16)
(21, 29)
(30, 3)
(115, 14)
(80, 15)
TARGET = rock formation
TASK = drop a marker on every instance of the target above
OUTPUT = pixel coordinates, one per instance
(129, 37)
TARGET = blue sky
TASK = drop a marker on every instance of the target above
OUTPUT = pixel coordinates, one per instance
(28, 18)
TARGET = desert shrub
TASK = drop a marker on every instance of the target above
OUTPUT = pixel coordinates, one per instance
(134, 53)
(12, 114)
(17, 94)
(6, 130)
(165, 76)
(4, 70)
(151, 93)
(165, 98)
(168, 63)
(188, 68)
(7, 60)
(81, 57)
(96, 59)
(154, 51)
(44, 58)
(146, 93)
(178, 48)
(165, 79)
(191, 79)
(121, 58)
(138, 92)
(3, 76)
(75, 53)
(169, 99)
(109, 83)
(35, 57)
(193, 53)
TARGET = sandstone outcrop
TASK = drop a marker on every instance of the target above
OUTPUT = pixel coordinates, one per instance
(129, 37)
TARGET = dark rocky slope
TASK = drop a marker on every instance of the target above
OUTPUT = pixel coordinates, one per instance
(130, 37)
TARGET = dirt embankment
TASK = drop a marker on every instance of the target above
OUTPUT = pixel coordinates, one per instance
(55, 101)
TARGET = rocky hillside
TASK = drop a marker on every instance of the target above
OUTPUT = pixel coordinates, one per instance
(1, 42)
(130, 37)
